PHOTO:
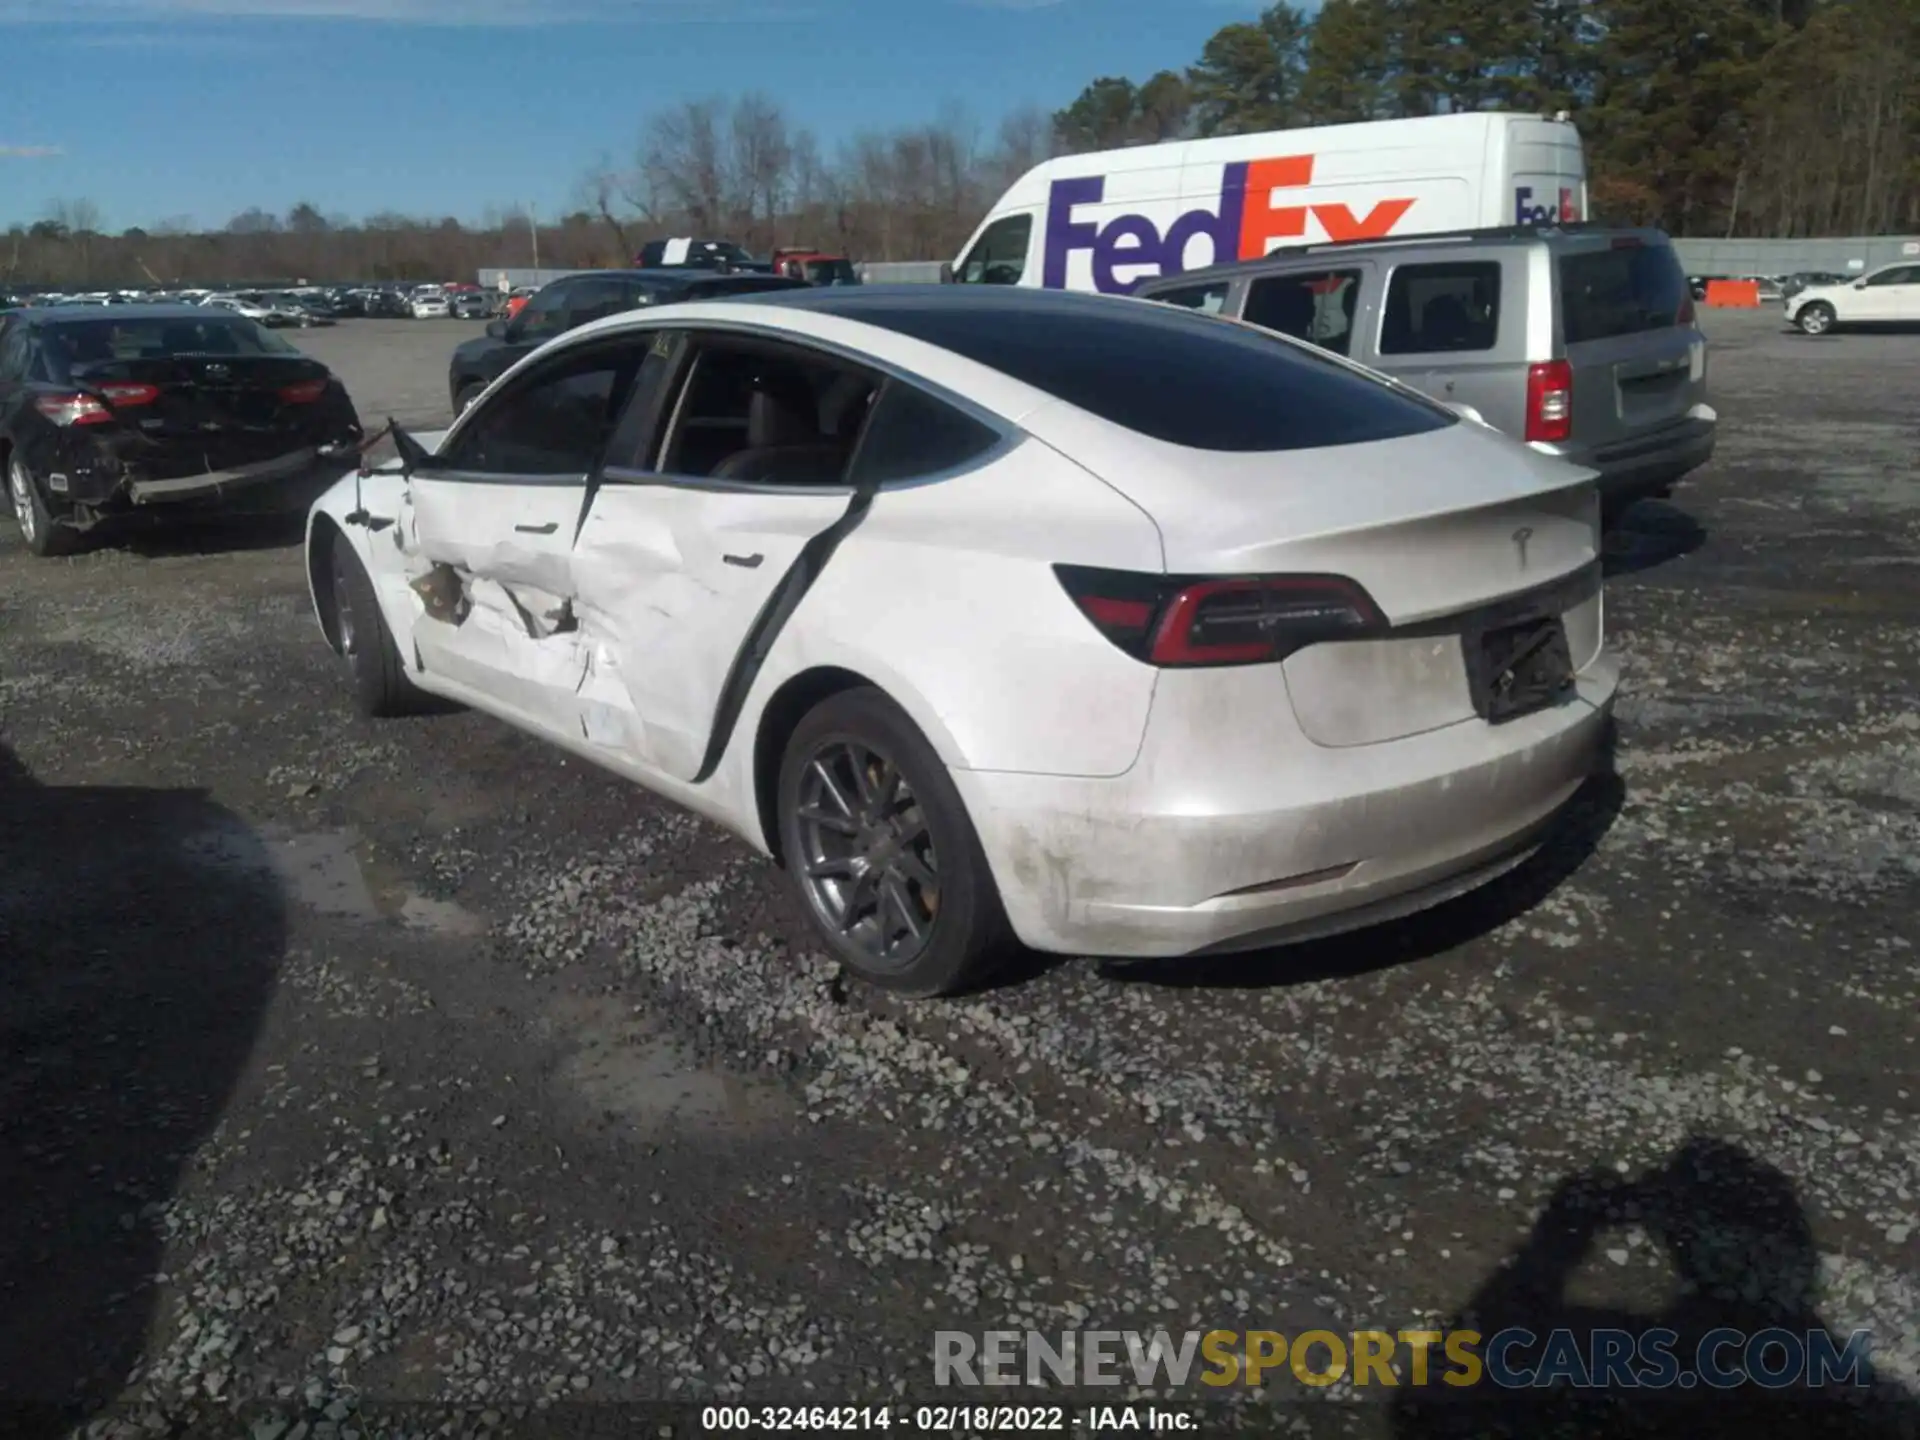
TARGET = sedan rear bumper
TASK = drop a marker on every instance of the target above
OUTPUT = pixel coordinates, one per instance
(293, 480)
(1158, 863)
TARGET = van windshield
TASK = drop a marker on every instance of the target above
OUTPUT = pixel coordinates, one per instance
(1625, 290)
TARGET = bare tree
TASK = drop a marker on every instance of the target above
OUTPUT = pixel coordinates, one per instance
(683, 166)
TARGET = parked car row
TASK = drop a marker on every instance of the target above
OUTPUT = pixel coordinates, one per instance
(1818, 301)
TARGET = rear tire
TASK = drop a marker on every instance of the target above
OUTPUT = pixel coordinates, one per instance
(381, 688)
(882, 854)
(1816, 318)
(44, 535)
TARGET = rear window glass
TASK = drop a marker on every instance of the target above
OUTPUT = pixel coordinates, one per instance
(1621, 291)
(81, 342)
(1434, 309)
(1168, 373)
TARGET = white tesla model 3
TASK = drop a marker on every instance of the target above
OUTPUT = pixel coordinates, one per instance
(993, 614)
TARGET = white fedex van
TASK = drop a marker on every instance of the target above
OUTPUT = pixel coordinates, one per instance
(1112, 220)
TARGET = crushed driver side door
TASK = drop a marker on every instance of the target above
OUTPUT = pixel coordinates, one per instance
(493, 516)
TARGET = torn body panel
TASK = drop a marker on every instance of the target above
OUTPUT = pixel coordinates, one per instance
(669, 581)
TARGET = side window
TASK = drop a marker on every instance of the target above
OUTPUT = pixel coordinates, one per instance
(1433, 309)
(1209, 299)
(545, 315)
(1898, 275)
(595, 299)
(912, 434)
(767, 414)
(1316, 306)
(1000, 257)
(556, 421)
(13, 354)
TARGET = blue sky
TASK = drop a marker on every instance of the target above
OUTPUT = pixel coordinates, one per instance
(168, 109)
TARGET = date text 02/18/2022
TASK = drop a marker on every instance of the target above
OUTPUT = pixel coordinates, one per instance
(946, 1419)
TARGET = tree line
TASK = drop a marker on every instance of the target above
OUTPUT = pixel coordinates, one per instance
(1784, 118)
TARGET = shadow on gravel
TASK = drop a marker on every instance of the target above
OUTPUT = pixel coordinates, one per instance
(215, 535)
(1647, 534)
(134, 975)
(1581, 826)
(1743, 1253)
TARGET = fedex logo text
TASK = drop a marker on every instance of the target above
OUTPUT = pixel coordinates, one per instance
(1525, 212)
(1245, 225)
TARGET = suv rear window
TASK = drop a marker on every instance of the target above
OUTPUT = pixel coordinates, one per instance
(1169, 373)
(1626, 290)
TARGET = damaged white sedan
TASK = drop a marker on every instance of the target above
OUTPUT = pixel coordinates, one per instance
(1003, 614)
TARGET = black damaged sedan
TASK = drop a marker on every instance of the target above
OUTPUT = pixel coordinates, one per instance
(152, 411)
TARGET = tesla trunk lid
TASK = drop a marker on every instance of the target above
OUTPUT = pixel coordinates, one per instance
(1458, 535)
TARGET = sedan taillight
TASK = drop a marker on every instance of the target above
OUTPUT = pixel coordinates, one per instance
(74, 409)
(1185, 622)
(304, 393)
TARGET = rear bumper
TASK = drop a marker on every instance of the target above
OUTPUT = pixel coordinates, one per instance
(285, 483)
(1647, 464)
(1168, 861)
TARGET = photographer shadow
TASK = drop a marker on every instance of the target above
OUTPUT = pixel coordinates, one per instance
(141, 936)
(1744, 1258)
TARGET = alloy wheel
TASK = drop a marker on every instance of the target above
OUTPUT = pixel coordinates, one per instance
(19, 487)
(867, 862)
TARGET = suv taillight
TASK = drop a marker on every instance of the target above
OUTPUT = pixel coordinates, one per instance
(1187, 621)
(303, 393)
(1550, 401)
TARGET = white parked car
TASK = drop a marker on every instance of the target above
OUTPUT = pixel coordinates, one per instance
(994, 613)
(1887, 296)
(429, 304)
(251, 309)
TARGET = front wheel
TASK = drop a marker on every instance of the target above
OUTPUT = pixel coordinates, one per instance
(881, 850)
(1816, 318)
(44, 535)
(380, 684)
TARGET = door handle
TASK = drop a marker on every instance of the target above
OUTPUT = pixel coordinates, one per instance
(546, 529)
(745, 562)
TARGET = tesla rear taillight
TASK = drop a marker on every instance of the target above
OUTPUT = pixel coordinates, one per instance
(1550, 401)
(305, 393)
(118, 393)
(1188, 621)
(75, 409)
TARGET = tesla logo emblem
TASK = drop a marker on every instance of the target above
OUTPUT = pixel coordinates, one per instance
(1520, 539)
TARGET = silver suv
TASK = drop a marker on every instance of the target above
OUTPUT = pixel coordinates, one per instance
(1580, 341)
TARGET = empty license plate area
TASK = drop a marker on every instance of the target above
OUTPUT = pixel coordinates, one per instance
(1519, 667)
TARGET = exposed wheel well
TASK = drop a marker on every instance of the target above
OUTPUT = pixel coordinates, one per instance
(320, 545)
(784, 711)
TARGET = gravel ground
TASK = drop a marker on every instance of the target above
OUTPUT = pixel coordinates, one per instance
(410, 1077)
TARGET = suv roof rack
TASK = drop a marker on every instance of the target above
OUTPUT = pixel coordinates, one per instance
(1451, 237)
(1447, 237)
